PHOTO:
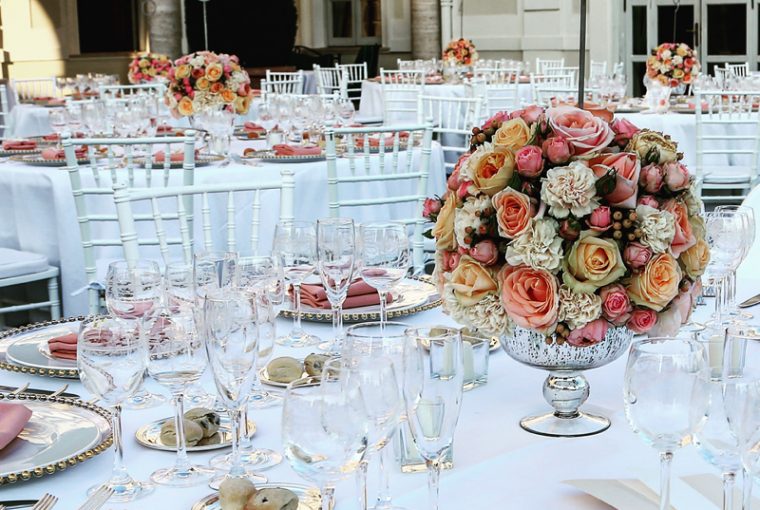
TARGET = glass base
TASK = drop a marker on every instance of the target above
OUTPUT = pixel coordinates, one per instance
(737, 314)
(124, 490)
(144, 400)
(551, 425)
(258, 459)
(173, 477)
(264, 399)
(331, 347)
(196, 396)
(298, 339)
(250, 475)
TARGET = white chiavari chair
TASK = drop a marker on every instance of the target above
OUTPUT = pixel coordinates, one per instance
(93, 180)
(330, 81)
(549, 89)
(740, 70)
(721, 75)
(175, 227)
(400, 91)
(544, 64)
(27, 89)
(19, 267)
(495, 75)
(5, 109)
(283, 83)
(728, 144)
(137, 89)
(597, 69)
(497, 97)
(389, 175)
(355, 75)
(453, 118)
(618, 69)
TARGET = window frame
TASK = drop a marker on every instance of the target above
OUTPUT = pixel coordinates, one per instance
(356, 25)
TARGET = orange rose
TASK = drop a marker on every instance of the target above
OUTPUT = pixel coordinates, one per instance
(185, 106)
(214, 71)
(684, 238)
(183, 71)
(513, 212)
(443, 231)
(471, 282)
(513, 135)
(228, 96)
(694, 260)
(492, 170)
(593, 262)
(657, 285)
(202, 83)
(530, 297)
(216, 87)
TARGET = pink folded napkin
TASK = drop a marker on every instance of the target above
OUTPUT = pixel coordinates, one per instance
(19, 145)
(56, 102)
(163, 128)
(249, 127)
(139, 310)
(174, 157)
(359, 294)
(64, 346)
(374, 141)
(51, 153)
(13, 419)
(297, 150)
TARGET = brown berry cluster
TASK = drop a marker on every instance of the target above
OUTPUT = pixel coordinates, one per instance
(560, 335)
(480, 136)
(488, 227)
(624, 225)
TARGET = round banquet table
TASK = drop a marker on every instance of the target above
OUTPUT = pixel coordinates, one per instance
(497, 465)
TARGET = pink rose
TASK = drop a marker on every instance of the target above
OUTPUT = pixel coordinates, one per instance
(590, 334)
(198, 73)
(430, 206)
(583, 131)
(651, 178)
(676, 176)
(636, 255)
(498, 117)
(464, 189)
(529, 114)
(453, 181)
(485, 252)
(684, 238)
(530, 161)
(627, 166)
(624, 130)
(600, 219)
(530, 297)
(648, 200)
(569, 230)
(616, 305)
(451, 260)
(642, 320)
(557, 150)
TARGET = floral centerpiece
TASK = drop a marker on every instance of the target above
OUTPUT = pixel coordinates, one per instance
(672, 64)
(208, 81)
(147, 67)
(460, 52)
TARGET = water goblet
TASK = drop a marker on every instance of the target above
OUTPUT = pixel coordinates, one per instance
(58, 120)
(336, 253)
(746, 217)
(723, 235)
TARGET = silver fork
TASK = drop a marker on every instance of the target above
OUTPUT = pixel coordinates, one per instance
(97, 499)
(58, 392)
(2, 507)
(20, 389)
(46, 502)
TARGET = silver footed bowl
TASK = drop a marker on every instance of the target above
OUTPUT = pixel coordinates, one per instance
(565, 388)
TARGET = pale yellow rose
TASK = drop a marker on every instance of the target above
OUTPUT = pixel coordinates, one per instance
(228, 96)
(183, 71)
(214, 71)
(471, 282)
(513, 135)
(185, 106)
(677, 74)
(493, 171)
(242, 104)
(592, 262)
(202, 83)
(653, 147)
(657, 285)
(443, 231)
(694, 260)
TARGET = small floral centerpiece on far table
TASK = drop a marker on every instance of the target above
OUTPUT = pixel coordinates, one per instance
(148, 67)
(460, 52)
(672, 64)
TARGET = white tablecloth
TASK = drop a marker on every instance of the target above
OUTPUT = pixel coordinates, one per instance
(38, 213)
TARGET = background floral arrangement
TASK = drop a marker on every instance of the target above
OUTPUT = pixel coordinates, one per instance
(460, 51)
(560, 222)
(147, 67)
(206, 80)
(672, 64)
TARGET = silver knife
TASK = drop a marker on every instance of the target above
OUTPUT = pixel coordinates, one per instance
(18, 503)
(35, 391)
(754, 300)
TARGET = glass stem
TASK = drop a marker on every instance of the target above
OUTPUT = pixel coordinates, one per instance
(119, 473)
(245, 439)
(666, 460)
(182, 464)
(361, 480)
(384, 499)
(236, 468)
(747, 482)
(328, 497)
(297, 319)
(383, 319)
(731, 293)
(434, 475)
(728, 490)
(719, 295)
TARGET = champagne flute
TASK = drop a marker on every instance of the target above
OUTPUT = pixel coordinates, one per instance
(724, 232)
(663, 389)
(176, 359)
(58, 121)
(747, 218)
(111, 358)
(295, 245)
(384, 258)
(336, 248)
(433, 380)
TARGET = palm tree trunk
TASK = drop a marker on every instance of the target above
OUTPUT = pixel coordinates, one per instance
(426, 29)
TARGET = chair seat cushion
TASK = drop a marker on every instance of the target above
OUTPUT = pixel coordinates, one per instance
(18, 263)
(729, 175)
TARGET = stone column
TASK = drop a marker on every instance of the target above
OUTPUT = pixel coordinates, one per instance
(166, 28)
(447, 22)
(426, 29)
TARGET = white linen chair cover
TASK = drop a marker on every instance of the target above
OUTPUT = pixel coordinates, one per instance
(181, 222)
(548, 88)
(283, 83)
(28, 88)
(108, 171)
(330, 81)
(727, 111)
(544, 64)
(453, 116)
(382, 166)
(355, 75)
(400, 92)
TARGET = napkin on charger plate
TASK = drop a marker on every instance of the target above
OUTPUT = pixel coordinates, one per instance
(252, 127)
(359, 294)
(282, 149)
(13, 419)
(64, 346)
(52, 153)
(19, 145)
(374, 141)
(174, 157)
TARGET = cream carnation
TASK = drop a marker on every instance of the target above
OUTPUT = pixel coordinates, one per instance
(488, 315)
(577, 309)
(539, 247)
(469, 217)
(657, 228)
(570, 189)
(690, 197)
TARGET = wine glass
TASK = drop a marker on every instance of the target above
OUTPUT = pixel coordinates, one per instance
(212, 271)
(663, 390)
(346, 111)
(724, 237)
(58, 120)
(232, 347)
(176, 359)
(324, 432)
(74, 114)
(111, 358)
(747, 218)
(336, 249)
(383, 258)
(433, 380)
(295, 245)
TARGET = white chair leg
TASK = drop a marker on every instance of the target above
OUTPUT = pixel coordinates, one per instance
(94, 296)
(55, 301)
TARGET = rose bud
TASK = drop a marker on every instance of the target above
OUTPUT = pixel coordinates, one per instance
(600, 219)
(676, 176)
(642, 320)
(648, 200)
(557, 150)
(651, 178)
(530, 161)
(569, 230)
(430, 207)
(485, 252)
(636, 255)
(624, 130)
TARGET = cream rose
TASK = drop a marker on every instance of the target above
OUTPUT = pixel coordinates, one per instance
(471, 282)
(512, 135)
(593, 262)
(653, 147)
(490, 170)
(694, 260)
(443, 231)
(657, 284)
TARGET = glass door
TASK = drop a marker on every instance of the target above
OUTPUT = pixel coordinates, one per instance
(729, 32)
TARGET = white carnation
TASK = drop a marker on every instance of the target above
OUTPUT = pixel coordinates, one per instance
(488, 315)
(691, 198)
(539, 247)
(657, 228)
(570, 189)
(577, 309)
(469, 217)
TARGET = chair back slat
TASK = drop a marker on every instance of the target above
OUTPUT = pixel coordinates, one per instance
(282, 83)
(256, 221)
(400, 90)
(208, 243)
(231, 222)
(453, 117)
(160, 232)
(355, 74)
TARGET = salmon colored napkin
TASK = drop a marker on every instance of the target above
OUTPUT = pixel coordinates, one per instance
(13, 419)
(19, 145)
(296, 150)
(139, 309)
(175, 157)
(375, 141)
(64, 346)
(252, 127)
(51, 153)
(359, 294)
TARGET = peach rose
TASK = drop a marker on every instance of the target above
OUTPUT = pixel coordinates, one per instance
(657, 285)
(616, 306)
(471, 282)
(684, 238)
(214, 71)
(185, 106)
(642, 320)
(627, 169)
(228, 95)
(583, 131)
(530, 297)
(202, 84)
(513, 212)
(592, 262)
(216, 87)
(183, 71)
(590, 334)
(694, 260)
(493, 171)
(443, 231)
(513, 135)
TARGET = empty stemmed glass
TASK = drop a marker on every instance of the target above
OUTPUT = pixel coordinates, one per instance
(664, 389)
(336, 251)
(111, 358)
(295, 245)
(383, 258)
(746, 216)
(433, 380)
(724, 231)
(58, 120)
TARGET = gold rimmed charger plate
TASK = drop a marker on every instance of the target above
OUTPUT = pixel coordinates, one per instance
(200, 160)
(28, 349)
(412, 295)
(37, 160)
(309, 498)
(149, 435)
(270, 156)
(60, 434)
(8, 153)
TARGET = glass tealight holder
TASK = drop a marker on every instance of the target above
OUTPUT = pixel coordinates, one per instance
(476, 347)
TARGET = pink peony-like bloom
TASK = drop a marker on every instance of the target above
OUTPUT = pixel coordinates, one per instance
(530, 161)
(600, 219)
(652, 178)
(498, 117)
(627, 166)
(624, 130)
(430, 206)
(451, 260)
(676, 176)
(485, 252)
(590, 334)
(616, 305)
(557, 150)
(583, 131)
(529, 114)
(648, 200)
(530, 297)
(636, 255)
(642, 320)
(684, 237)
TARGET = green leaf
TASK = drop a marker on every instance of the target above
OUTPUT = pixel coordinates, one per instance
(606, 183)
(428, 233)
(515, 182)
